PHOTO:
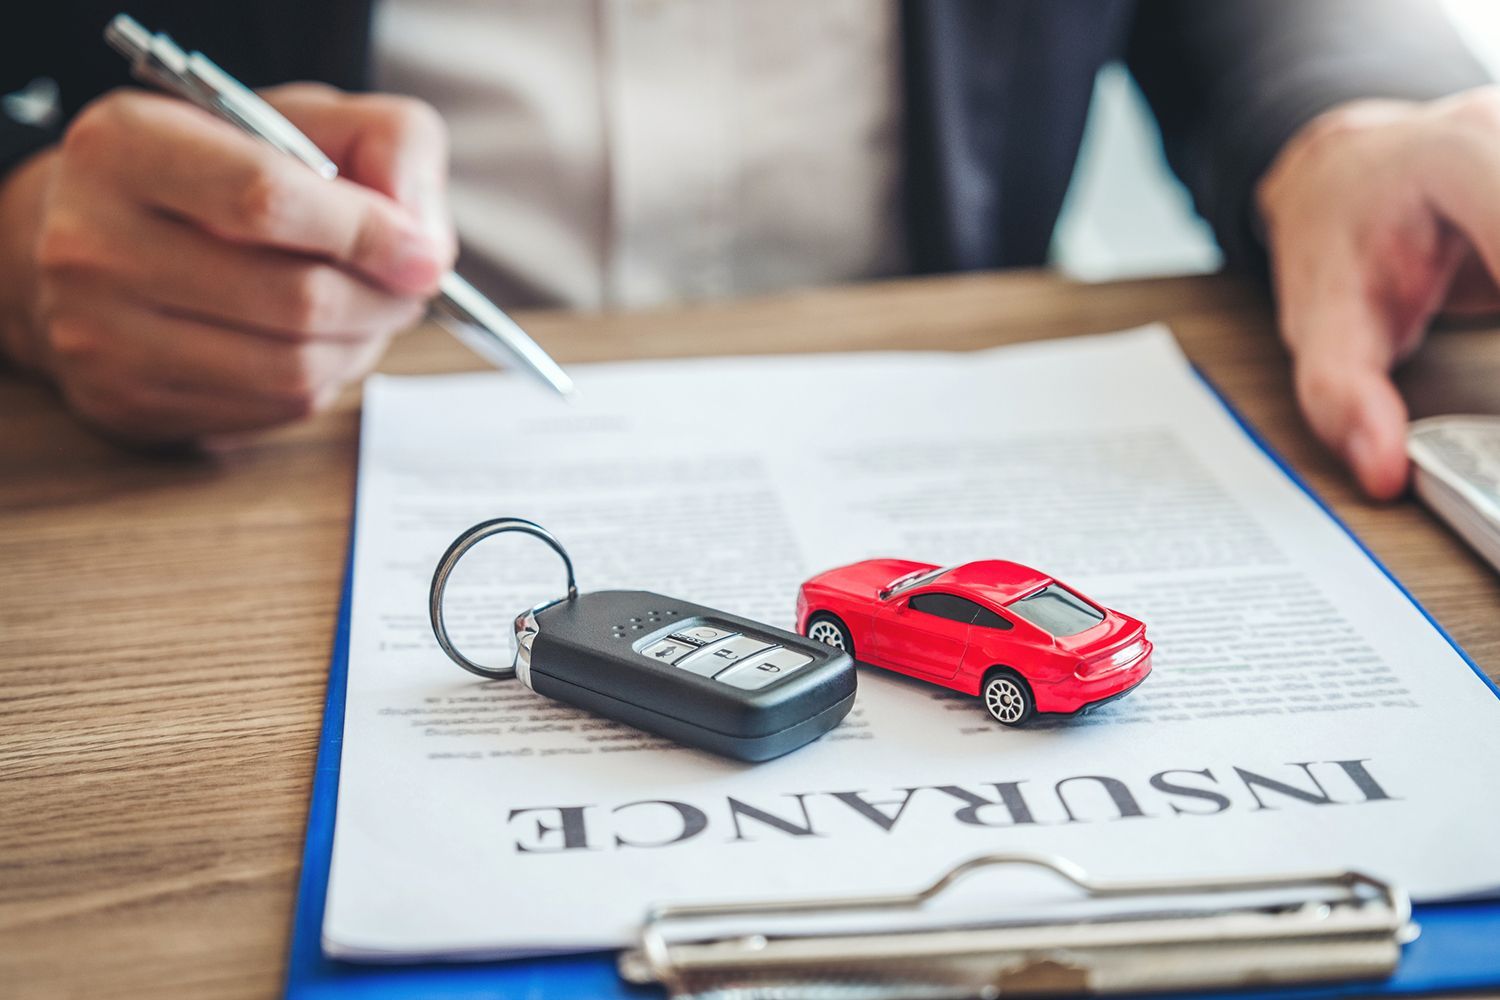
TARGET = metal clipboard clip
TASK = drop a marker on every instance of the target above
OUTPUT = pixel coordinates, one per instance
(1318, 927)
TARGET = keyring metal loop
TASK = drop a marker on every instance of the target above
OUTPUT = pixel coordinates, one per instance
(462, 544)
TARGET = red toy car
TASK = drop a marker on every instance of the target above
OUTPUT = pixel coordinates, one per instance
(1003, 632)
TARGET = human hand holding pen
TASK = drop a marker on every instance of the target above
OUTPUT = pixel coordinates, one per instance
(177, 278)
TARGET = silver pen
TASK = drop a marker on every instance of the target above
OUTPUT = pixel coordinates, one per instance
(476, 321)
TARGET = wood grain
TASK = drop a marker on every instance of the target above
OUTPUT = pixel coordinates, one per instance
(165, 622)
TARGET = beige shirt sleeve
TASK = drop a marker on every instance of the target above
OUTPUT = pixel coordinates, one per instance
(622, 153)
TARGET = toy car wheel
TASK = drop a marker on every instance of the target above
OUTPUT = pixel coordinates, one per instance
(828, 630)
(1007, 698)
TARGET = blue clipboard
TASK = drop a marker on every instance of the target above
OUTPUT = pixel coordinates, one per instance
(1459, 947)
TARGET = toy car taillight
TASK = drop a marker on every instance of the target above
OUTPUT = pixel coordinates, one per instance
(1122, 657)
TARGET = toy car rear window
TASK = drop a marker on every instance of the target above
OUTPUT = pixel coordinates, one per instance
(1057, 611)
(916, 579)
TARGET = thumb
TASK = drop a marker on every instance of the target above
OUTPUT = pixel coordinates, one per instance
(1345, 390)
(391, 144)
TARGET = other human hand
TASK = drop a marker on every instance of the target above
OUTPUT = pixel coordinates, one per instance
(1379, 216)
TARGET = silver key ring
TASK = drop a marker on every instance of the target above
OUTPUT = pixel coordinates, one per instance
(462, 544)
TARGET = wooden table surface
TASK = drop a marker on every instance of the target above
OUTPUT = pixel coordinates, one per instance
(165, 623)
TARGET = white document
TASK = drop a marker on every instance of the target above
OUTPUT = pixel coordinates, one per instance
(1303, 714)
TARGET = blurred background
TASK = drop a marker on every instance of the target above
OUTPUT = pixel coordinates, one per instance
(1126, 215)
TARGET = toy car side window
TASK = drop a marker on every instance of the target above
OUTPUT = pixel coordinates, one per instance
(947, 606)
(988, 619)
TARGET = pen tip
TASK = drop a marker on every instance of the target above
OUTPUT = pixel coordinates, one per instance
(561, 382)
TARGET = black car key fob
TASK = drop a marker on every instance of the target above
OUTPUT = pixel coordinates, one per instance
(690, 673)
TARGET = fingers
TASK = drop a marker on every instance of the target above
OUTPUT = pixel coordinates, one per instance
(1342, 354)
(183, 269)
(1460, 172)
(175, 158)
(142, 344)
(1357, 412)
(395, 145)
(152, 377)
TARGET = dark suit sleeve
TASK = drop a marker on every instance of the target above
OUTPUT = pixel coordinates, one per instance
(1230, 81)
(24, 56)
(18, 141)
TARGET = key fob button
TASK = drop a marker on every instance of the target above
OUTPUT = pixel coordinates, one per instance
(702, 635)
(667, 650)
(715, 658)
(756, 672)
